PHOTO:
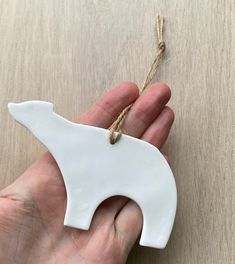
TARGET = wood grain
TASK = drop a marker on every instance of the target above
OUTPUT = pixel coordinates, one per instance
(70, 52)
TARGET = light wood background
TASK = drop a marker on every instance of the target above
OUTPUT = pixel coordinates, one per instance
(71, 52)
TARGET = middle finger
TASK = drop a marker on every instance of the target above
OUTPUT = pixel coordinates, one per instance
(146, 109)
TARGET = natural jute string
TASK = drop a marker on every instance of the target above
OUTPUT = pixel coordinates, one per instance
(115, 128)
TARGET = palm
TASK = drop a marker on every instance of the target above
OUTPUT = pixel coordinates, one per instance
(32, 208)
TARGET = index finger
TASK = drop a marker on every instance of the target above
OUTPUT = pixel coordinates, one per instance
(109, 106)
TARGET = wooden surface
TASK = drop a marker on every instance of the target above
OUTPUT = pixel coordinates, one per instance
(70, 52)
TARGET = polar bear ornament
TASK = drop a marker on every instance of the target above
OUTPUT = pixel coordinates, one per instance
(94, 170)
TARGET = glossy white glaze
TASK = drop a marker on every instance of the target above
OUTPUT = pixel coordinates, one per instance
(94, 170)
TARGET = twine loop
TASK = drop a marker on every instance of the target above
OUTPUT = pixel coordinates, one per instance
(116, 128)
(114, 136)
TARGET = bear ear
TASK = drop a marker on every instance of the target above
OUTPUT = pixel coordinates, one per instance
(39, 104)
(47, 105)
(50, 105)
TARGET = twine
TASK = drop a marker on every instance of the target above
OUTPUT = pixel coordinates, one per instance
(116, 128)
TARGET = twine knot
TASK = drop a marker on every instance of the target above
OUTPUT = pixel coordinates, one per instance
(162, 46)
(115, 129)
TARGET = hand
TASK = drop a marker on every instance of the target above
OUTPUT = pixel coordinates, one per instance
(32, 208)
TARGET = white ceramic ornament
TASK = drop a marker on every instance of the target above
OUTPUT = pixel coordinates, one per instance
(94, 170)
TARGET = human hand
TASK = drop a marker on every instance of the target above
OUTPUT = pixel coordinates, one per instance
(32, 208)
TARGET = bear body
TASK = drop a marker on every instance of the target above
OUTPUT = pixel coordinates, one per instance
(94, 170)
